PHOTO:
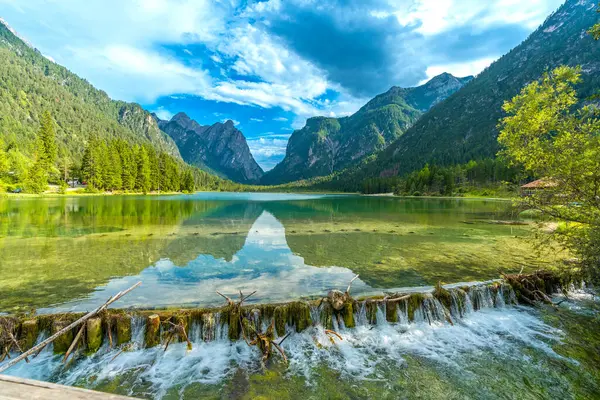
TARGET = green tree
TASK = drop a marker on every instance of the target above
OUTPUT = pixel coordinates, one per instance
(549, 134)
(595, 30)
(37, 177)
(91, 165)
(142, 182)
(188, 184)
(18, 164)
(45, 156)
(4, 163)
(47, 140)
(128, 165)
(115, 169)
(65, 164)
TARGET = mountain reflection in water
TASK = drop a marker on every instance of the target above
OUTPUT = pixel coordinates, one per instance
(265, 264)
(73, 252)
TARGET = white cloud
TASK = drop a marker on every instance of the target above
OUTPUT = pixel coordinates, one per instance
(163, 113)
(268, 149)
(282, 119)
(123, 52)
(136, 74)
(436, 16)
(459, 69)
(256, 120)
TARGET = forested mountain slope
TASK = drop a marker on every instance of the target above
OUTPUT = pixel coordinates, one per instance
(31, 84)
(326, 145)
(219, 148)
(464, 126)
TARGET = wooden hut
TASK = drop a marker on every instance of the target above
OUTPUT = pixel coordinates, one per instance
(537, 186)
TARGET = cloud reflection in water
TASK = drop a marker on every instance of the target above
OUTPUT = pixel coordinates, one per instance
(265, 264)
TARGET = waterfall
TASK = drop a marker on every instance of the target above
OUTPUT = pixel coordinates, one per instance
(425, 324)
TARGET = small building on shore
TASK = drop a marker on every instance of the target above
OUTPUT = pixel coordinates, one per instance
(538, 186)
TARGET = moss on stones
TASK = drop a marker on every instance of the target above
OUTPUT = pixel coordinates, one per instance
(348, 314)
(391, 312)
(123, 325)
(29, 333)
(152, 335)
(327, 315)
(443, 295)
(299, 315)
(233, 318)
(63, 342)
(414, 302)
(371, 309)
(93, 334)
(280, 316)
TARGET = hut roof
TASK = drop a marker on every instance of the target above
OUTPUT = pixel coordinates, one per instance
(540, 184)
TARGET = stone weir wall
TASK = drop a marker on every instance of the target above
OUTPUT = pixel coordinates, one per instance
(151, 328)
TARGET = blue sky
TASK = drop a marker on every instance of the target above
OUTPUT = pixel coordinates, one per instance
(268, 65)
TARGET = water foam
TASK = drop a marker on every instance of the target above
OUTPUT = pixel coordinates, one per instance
(501, 331)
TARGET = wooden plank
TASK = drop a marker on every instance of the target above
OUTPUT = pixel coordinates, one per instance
(12, 388)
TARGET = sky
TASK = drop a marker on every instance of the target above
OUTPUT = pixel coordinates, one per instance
(268, 65)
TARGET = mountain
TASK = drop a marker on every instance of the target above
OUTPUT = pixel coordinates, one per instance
(31, 84)
(218, 148)
(326, 145)
(464, 126)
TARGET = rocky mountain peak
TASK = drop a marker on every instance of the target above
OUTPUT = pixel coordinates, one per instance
(181, 117)
(326, 145)
(218, 148)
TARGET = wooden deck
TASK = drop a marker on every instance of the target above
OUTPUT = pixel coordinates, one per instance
(12, 388)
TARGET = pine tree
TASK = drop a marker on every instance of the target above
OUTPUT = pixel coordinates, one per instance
(142, 182)
(91, 165)
(188, 181)
(45, 156)
(37, 176)
(115, 170)
(102, 156)
(47, 136)
(128, 165)
(154, 167)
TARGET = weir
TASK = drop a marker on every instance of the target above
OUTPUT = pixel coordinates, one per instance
(118, 328)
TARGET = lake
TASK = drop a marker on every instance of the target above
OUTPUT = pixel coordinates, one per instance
(73, 253)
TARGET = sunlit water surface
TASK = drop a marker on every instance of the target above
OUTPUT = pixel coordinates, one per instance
(73, 253)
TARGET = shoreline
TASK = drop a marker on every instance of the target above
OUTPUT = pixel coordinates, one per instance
(385, 195)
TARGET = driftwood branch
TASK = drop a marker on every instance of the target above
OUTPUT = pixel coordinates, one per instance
(350, 285)
(67, 328)
(72, 346)
(15, 342)
(229, 301)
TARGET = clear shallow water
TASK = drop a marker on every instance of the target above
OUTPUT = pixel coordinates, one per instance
(74, 253)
